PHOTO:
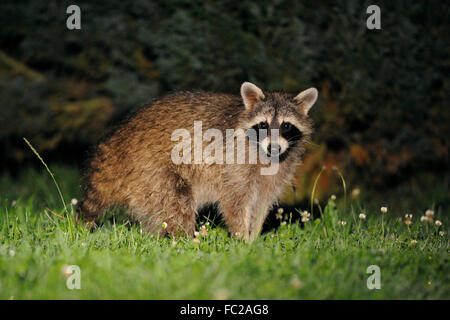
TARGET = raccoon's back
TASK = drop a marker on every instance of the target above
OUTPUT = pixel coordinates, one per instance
(220, 111)
(146, 136)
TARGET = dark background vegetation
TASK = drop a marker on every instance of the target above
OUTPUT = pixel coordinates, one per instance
(382, 117)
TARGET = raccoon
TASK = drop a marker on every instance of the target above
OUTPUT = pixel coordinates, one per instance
(134, 169)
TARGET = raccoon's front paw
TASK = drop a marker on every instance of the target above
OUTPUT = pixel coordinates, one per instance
(241, 235)
(90, 225)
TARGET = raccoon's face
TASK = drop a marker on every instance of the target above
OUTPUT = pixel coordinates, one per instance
(280, 121)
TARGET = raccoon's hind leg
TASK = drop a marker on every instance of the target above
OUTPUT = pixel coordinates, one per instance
(169, 210)
(89, 213)
(91, 208)
(174, 217)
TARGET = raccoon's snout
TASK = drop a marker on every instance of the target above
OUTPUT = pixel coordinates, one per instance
(273, 149)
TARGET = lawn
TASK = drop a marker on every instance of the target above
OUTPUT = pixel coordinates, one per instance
(320, 259)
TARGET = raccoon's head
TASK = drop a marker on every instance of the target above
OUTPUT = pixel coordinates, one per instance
(285, 113)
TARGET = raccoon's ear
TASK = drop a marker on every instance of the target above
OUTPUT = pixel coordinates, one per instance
(251, 94)
(306, 99)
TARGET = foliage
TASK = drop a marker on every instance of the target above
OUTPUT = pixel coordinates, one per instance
(324, 259)
(382, 114)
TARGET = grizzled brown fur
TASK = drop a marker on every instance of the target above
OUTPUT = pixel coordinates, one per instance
(133, 169)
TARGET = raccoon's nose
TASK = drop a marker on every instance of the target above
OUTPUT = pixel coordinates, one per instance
(273, 149)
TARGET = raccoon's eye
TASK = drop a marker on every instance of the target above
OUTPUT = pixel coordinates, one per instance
(290, 132)
(286, 126)
(263, 125)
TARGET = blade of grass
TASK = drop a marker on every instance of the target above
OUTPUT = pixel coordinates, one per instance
(54, 213)
(344, 186)
(313, 191)
(50, 172)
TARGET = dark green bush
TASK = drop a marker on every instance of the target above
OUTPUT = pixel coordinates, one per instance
(383, 112)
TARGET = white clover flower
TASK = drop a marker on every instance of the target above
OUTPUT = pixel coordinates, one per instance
(343, 223)
(305, 216)
(333, 197)
(174, 243)
(204, 233)
(438, 223)
(207, 223)
(283, 223)
(74, 202)
(384, 209)
(423, 219)
(356, 192)
(279, 214)
(362, 216)
(296, 283)
(413, 242)
(13, 203)
(222, 294)
(441, 233)
(429, 213)
(66, 271)
(196, 234)
(12, 253)
(196, 240)
(408, 219)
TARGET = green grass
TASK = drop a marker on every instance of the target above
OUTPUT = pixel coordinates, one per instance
(324, 260)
